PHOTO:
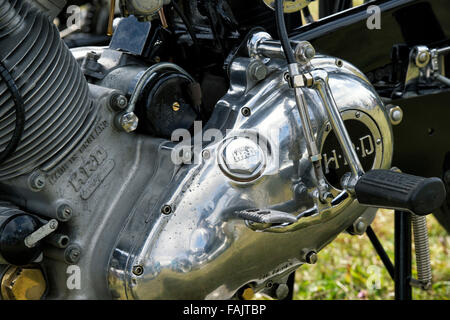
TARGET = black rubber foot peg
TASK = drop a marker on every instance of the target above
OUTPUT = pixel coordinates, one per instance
(400, 191)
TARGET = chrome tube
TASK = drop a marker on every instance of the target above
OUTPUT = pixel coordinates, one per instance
(311, 143)
(442, 51)
(321, 84)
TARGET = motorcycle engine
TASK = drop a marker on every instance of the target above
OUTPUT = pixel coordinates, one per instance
(153, 204)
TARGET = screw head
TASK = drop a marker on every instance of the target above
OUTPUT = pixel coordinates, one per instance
(72, 254)
(64, 212)
(128, 121)
(206, 154)
(119, 101)
(37, 182)
(358, 114)
(246, 112)
(138, 270)
(176, 106)
(166, 209)
(53, 224)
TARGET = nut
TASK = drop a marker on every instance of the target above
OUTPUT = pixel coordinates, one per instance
(128, 121)
(311, 257)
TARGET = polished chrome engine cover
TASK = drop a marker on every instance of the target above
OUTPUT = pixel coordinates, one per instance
(183, 239)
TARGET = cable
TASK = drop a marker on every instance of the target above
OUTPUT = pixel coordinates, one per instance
(282, 32)
(188, 25)
(20, 114)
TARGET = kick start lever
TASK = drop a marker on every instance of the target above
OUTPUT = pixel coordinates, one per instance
(400, 191)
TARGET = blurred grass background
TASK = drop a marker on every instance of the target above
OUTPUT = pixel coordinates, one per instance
(346, 266)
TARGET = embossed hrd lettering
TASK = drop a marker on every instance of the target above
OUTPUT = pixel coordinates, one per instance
(88, 168)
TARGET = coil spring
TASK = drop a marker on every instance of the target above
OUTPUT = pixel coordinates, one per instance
(422, 250)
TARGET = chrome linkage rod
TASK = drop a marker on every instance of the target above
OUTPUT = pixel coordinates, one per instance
(261, 45)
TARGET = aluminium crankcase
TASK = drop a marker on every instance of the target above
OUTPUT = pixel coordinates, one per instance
(185, 238)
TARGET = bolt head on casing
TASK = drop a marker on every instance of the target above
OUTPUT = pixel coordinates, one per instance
(128, 121)
(304, 52)
(72, 254)
(311, 257)
(242, 159)
(396, 115)
(37, 182)
(119, 101)
(258, 70)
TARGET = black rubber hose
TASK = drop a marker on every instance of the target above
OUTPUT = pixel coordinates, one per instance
(20, 114)
(282, 32)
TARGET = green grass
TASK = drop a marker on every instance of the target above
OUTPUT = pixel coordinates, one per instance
(346, 267)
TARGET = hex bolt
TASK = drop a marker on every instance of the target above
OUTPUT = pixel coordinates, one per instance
(258, 70)
(37, 182)
(64, 212)
(311, 257)
(138, 270)
(304, 52)
(72, 254)
(118, 101)
(128, 121)
(166, 209)
(246, 112)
